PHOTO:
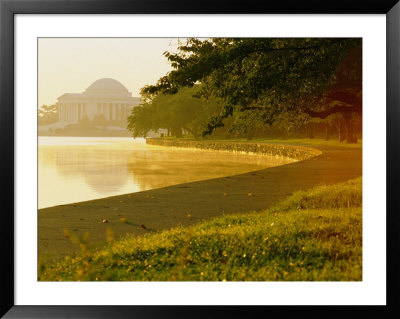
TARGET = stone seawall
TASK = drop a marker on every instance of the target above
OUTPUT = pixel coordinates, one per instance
(296, 153)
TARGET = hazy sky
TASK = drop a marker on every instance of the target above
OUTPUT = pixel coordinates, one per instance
(70, 65)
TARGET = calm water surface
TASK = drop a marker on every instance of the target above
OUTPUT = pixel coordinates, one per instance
(74, 169)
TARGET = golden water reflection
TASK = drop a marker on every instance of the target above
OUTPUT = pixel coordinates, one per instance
(73, 169)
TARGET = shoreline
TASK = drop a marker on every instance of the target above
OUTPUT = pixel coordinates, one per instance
(189, 203)
(287, 151)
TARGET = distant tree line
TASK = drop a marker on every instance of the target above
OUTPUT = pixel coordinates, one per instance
(47, 114)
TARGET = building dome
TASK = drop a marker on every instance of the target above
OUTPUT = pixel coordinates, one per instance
(106, 97)
(106, 85)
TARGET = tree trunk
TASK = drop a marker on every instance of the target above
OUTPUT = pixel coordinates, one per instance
(286, 133)
(177, 131)
(341, 132)
(326, 132)
(310, 130)
(351, 136)
(340, 129)
(250, 135)
(195, 135)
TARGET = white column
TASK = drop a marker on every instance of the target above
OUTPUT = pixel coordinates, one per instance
(104, 110)
(117, 111)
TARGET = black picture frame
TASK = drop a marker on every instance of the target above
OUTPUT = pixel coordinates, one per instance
(8, 8)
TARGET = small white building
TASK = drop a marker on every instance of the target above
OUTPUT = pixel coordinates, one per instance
(107, 97)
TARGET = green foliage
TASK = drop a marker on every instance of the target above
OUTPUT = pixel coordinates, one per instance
(47, 114)
(140, 121)
(317, 76)
(184, 111)
(286, 122)
(302, 142)
(344, 195)
(85, 123)
(314, 235)
(99, 120)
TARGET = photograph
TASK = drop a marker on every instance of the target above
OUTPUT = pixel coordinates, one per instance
(200, 159)
(168, 160)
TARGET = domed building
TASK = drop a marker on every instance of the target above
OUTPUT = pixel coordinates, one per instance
(105, 97)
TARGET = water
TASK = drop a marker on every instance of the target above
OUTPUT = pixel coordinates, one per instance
(74, 169)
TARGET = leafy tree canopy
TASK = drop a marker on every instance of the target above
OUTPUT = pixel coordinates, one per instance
(316, 76)
(47, 114)
(187, 110)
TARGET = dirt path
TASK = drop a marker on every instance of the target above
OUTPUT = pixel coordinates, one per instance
(168, 207)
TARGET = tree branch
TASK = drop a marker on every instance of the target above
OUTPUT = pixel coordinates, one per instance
(345, 97)
(336, 109)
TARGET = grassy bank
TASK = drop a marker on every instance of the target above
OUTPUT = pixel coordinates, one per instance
(288, 151)
(316, 142)
(305, 142)
(313, 235)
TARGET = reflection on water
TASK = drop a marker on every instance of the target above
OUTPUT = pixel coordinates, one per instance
(73, 169)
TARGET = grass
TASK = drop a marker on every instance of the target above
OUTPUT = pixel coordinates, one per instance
(292, 141)
(308, 142)
(299, 141)
(314, 235)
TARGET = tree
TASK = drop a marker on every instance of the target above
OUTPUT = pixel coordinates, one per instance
(99, 120)
(140, 120)
(85, 123)
(185, 111)
(47, 114)
(287, 122)
(315, 76)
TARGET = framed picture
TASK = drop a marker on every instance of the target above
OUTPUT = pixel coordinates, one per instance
(42, 41)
